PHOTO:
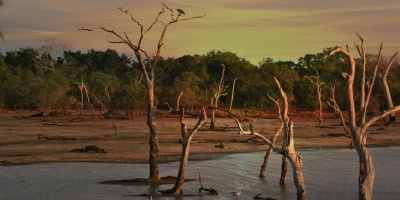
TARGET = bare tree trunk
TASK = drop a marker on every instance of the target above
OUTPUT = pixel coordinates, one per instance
(297, 165)
(233, 92)
(154, 173)
(285, 143)
(364, 64)
(367, 171)
(81, 108)
(186, 139)
(212, 122)
(277, 132)
(386, 89)
(282, 180)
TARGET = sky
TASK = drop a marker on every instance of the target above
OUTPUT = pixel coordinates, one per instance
(253, 29)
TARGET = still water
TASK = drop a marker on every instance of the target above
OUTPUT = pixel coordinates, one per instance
(328, 173)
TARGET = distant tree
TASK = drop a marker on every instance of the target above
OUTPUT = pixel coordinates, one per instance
(148, 64)
(219, 90)
(315, 79)
(49, 50)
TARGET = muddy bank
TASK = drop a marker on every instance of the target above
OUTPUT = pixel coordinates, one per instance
(25, 139)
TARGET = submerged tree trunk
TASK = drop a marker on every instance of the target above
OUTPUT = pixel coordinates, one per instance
(297, 165)
(277, 132)
(282, 180)
(367, 171)
(186, 139)
(295, 160)
(287, 151)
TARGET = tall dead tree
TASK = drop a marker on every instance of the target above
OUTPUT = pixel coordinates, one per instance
(186, 139)
(219, 91)
(386, 89)
(148, 63)
(359, 130)
(317, 82)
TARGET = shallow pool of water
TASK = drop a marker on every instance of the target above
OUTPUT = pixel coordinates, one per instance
(328, 173)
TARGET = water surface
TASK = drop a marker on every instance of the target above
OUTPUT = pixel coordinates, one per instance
(328, 173)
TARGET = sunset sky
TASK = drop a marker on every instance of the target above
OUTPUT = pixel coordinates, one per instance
(254, 29)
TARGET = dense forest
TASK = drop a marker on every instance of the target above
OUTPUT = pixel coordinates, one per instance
(107, 80)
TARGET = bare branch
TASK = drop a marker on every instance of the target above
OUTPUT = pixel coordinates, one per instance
(378, 117)
(332, 103)
(371, 85)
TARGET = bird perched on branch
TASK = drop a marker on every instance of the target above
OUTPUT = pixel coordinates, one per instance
(237, 194)
(180, 11)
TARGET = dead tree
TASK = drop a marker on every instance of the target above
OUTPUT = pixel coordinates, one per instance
(277, 132)
(359, 130)
(186, 139)
(332, 103)
(49, 50)
(107, 113)
(148, 63)
(233, 92)
(386, 89)
(316, 81)
(84, 91)
(219, 91)
(287, 150)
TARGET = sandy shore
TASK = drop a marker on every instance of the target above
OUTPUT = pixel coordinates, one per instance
(19, 142)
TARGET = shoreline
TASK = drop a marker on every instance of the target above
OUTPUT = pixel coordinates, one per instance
(60, 136)
(176, 158)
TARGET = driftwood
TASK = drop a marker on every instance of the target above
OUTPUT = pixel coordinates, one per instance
(210, 190)
(258, 197)
(43, 137)
(37, 115)
(89, 149)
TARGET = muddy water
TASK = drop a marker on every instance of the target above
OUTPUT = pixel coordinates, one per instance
(329, 174)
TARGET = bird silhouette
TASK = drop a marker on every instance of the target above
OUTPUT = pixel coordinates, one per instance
(180, 11)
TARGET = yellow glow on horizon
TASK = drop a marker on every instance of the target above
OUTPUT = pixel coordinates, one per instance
(282, 30)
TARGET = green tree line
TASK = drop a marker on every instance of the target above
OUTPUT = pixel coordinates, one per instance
(113, 80)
